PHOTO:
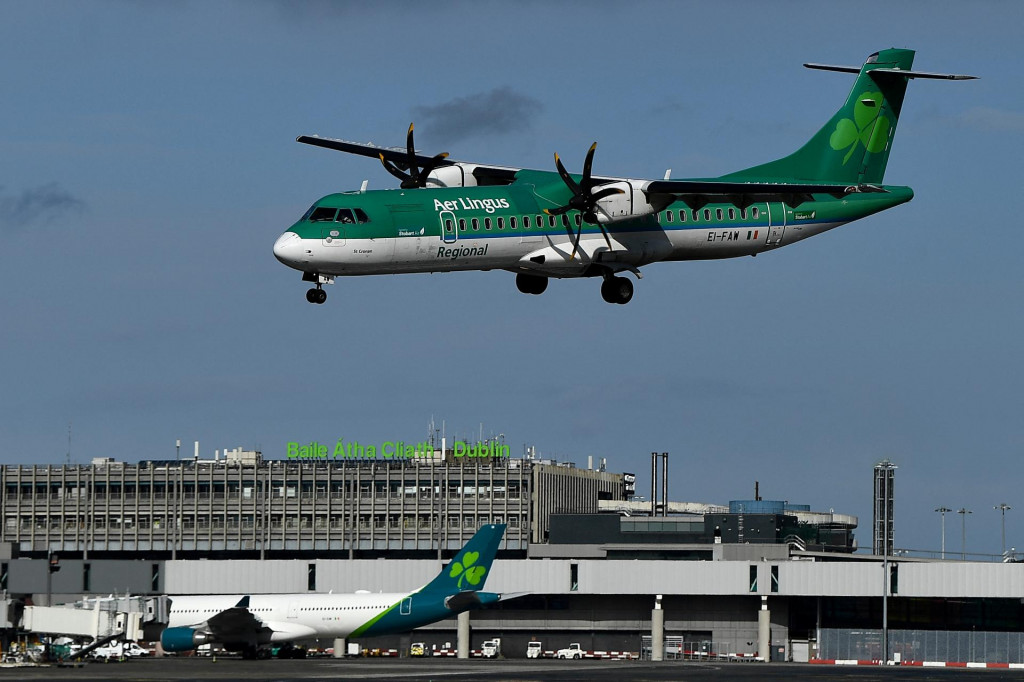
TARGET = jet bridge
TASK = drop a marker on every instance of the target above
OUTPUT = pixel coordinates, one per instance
(102, 618)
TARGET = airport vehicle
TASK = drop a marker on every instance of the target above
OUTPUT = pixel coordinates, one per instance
(491, 648)
(253, 623)
(118, 650)
(534, 650)
(450, 215)
(418, 649)
(571, 651)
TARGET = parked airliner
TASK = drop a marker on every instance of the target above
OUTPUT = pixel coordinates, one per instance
(250, 623)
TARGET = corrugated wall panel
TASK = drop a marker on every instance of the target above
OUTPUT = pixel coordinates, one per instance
(961, 580)
(830, 579)
(664, 577)
(234, 577)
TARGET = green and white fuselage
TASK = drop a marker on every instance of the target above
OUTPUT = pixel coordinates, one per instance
(452, 216)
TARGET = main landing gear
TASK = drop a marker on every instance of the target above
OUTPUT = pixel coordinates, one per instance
(613, 289)
(531, 284)
(317, 295)
(616, 290)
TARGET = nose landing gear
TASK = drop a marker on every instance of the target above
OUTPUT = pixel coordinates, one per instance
(317, 295)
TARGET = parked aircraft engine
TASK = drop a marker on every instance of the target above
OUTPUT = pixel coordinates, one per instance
(183, 639)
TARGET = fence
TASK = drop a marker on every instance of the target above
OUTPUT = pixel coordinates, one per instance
(679, 650)
(955, 646)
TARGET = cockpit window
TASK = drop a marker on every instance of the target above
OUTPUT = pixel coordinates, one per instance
(345, 216)
(322, 214)
(361, 216)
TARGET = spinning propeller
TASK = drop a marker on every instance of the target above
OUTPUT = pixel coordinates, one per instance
(583, 199)
(408, 171)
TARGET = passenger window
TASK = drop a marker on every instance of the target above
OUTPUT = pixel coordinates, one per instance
(696, 217)
(526, 222)
(669, 214)
(565, 220)
(707, 214)
(732, 214)
(579, 220)
(345, 216)
(540, 222)
(512, 223)
(682, 216)
(448, 226)
(361, 216)
(487, 223)
(743, 214)
(718, 214)
(476, 224)
(462, 224)
(501, 223)
(322, 214)
(754, 212)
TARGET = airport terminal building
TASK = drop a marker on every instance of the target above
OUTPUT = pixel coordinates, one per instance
(597, 565)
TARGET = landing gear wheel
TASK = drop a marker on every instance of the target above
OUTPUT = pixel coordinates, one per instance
(263, 654)
(316, 295)
(531, 284)
(617, 290)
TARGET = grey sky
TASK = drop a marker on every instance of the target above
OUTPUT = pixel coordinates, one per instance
(156, 311)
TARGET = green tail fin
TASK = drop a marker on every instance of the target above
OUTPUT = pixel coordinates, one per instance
(469, 569)
(854, 145)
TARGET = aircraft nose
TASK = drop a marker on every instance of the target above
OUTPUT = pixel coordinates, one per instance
(288, 250)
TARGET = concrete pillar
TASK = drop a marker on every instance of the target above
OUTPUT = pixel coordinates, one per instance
(657, 631)
(764, 631)
(463, 643)
(339, 647)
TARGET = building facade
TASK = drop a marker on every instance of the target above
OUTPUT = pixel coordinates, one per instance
(247, 507)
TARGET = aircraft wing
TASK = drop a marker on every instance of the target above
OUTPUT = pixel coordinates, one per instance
(697, 193)
(235, 624)
(485, 174)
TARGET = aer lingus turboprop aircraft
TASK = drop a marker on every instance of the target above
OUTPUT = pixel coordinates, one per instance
(251, 623)
(452, 215)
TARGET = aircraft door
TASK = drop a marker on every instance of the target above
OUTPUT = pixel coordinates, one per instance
(449, 227)
(406, 606)
(776, 224)
(293, 609)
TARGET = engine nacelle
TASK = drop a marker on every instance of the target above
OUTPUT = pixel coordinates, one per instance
(457, 175)
(183, 639)
(632, 203)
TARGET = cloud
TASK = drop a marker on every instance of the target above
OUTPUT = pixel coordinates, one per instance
(990, 119)
(500, 111)
(37, 206)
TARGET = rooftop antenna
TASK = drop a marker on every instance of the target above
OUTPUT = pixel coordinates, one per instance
(177, 450)
(68, 461)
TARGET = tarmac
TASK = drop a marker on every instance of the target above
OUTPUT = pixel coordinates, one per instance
(413, 670)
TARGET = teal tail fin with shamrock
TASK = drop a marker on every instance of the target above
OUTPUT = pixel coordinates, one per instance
(854, 145)
(469, 568)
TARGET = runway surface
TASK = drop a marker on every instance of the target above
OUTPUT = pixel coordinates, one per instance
(441, 669)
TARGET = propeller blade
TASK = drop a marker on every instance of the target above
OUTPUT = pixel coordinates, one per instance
(576, 244)
(557, 211)
(588, 164)
(566, 178)
(393, 169)
(607, 239)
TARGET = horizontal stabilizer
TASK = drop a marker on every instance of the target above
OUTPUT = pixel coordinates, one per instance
(895, 72)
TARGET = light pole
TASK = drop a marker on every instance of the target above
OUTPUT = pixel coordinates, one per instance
(1002, 507)
(963, 531)
(943, 510)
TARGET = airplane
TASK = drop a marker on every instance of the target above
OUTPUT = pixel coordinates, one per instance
(250, 623)
(452, 215)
